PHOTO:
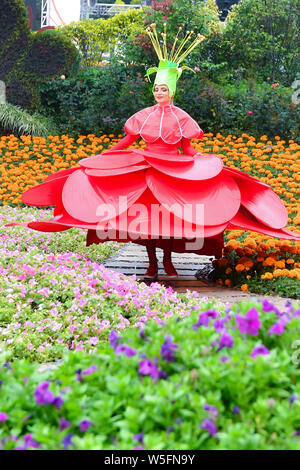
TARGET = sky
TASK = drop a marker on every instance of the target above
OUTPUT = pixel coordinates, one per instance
(64, 11)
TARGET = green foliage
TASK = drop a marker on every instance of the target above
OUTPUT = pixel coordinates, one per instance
(95, 37)
(27, 58)
(242, 106)
(201, 17)
(97, 100)
(253, 402)
(101, 100)
(14, 120)
(263, 36)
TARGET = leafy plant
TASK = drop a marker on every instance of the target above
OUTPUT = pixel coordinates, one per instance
(14, 120)
(27, 58)
(207, 381)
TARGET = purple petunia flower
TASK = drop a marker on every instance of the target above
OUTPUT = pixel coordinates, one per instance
(57, 402)
(293, 398)
(162, 374)
(148, 367)
(224, 359)
(226, 341)
(90, 370)
(250, 323)
(127, 350)
(67, 441)
(29, 442)
(212, 410)
(209, 426)
(114, 338)
(63, 424)
(85, 424)
(203, 319)
(138, 437)
(43, 396)
(269, 307)
(278, 327)
(236, 410)
(259, 351)
(138, 448)
(168, 349)
(219, 324)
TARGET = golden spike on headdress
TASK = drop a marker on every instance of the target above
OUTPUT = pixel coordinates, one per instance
(190, 48)
(174, 43)
(165, 41)
(183, 43)
(154, 40)
(162, 52)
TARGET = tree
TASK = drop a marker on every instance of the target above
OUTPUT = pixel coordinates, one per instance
(264, 37)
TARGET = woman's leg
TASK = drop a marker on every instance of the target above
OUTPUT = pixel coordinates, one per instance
(167, 261)
(152, 270)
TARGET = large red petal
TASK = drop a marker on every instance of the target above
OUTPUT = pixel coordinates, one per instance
(242, 176)
(47, 226)
(61, 173)
(201, 168)
(219, 197)
(83, 196)
(262, 202)
(161, 156)
(116, 171)
(116, 159)
(45, 194)
(246, 221)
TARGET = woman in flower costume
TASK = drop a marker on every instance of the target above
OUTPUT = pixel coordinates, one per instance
(159, 197)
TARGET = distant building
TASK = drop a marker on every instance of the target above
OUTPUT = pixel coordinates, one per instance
(58, 12)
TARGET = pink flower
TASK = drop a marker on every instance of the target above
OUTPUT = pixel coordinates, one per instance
(250, 112)
(3, 417)
(93, 340)
(30, 346)
(196, 69)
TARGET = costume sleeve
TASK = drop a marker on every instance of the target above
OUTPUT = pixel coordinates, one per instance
(123, 143)
(186, 147)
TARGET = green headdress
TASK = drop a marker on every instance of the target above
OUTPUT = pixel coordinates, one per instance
(168, 70)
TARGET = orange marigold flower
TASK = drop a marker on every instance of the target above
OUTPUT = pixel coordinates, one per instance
(244, 287)
(239, 267)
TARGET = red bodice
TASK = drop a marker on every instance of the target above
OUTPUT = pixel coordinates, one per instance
(168, 123)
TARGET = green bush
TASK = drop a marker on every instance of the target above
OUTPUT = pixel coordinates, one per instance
(27, 58)
(14, 120)
(95, 37)
(263, 36)
(100, 100)
(203, 382)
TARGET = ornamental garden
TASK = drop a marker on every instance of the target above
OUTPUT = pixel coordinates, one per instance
(90, 358)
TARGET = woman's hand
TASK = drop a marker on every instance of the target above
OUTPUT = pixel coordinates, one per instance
(198, 154)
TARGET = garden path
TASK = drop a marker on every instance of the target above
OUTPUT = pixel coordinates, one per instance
(132, 259)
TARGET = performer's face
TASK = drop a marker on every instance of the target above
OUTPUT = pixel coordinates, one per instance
(161, 94)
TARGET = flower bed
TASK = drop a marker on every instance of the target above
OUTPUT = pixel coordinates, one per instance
(52, 299)
(247, 258)
(207, 381)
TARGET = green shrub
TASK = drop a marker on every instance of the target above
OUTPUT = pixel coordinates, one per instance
(95, 37)
(14, 120)
(101, 100)
(27, 58)
(198, 383)
(263, 36)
